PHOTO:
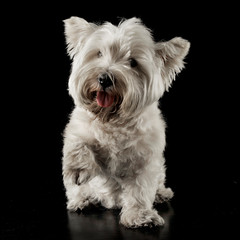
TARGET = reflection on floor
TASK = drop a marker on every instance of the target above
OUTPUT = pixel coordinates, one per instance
(104, 224)
(44, 217)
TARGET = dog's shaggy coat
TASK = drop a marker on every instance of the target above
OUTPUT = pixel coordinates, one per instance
(115, 139)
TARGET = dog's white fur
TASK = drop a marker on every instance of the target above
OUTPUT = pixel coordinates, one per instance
(114, 155)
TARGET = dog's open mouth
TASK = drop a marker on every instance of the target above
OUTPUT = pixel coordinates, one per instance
(104, 99)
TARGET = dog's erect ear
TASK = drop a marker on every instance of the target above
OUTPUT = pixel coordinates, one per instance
(76, 31)
(172, 54)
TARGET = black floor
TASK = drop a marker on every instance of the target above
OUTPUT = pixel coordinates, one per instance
(40, 214)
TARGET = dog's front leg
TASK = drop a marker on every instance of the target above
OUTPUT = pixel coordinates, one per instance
(79, 167)
(137, 203)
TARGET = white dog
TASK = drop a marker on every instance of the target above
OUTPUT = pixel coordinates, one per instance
(115, 139)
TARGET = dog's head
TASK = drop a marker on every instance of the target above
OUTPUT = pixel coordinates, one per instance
(117, 71)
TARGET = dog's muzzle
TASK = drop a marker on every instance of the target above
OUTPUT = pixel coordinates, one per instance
(105, 81)
(105, 98)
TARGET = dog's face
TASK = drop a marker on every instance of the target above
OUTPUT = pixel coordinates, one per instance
(119, 70)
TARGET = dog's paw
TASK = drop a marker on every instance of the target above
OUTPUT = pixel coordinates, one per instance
(74, 205)
(135, 218)
(163, 195)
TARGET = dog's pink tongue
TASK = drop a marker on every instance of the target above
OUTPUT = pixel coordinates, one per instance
(104, 99)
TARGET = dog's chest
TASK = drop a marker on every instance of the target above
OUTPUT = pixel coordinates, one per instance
(117, 153)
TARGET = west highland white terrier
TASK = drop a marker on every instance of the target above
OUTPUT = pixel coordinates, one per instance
(115, 139)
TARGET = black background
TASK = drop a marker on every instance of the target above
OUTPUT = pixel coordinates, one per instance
(201, 110)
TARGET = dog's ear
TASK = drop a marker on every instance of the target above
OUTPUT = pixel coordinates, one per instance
(172, 54)
(76, 31)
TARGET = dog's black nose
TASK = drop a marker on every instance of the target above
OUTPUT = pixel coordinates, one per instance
(105, 81)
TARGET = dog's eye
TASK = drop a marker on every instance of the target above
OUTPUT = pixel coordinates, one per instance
(99, 54)
(133, 62)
